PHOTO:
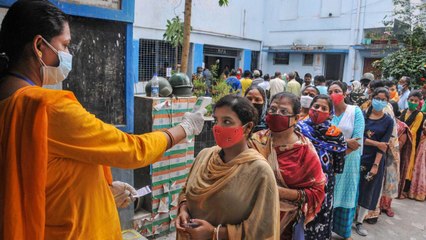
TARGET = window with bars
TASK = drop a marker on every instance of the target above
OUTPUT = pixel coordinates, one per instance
(254, 60)
(155, 56)
(281, 58)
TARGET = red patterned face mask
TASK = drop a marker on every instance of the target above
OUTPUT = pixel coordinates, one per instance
(227, 137)
(318, 117)
(278, 123)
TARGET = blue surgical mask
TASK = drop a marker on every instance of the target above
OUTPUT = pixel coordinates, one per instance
(400, 87)
(53, 75)
(379, 105)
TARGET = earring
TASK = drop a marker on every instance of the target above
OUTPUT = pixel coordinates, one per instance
(39, 53)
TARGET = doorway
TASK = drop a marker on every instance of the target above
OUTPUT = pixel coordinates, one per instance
(368, 67)
(334, 64)
(225, 63)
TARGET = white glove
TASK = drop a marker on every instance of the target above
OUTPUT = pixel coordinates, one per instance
(193, 123)
(122, 193)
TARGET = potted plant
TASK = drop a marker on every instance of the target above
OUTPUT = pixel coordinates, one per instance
(367, 39)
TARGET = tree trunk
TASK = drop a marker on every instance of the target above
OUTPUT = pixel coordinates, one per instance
(186, 36)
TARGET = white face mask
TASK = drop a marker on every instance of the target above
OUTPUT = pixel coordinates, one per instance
(54, 75)
(306, 101)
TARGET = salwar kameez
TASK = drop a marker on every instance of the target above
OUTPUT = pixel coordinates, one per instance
(379, 130)
(351, 123)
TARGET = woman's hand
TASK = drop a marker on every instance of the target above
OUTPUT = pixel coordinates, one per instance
(202, 232)
(122, 193)
(382, 146)
(373, 170)
(182, 218)
(353, 143)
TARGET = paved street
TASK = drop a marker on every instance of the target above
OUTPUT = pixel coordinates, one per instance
(408, 224)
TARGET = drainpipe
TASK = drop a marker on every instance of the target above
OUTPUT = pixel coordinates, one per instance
(357, 32)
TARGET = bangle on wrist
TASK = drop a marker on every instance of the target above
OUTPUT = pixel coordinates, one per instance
(375, 164)
(217, 231)
(172, 139)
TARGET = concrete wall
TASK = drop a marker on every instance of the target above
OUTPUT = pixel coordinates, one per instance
(239, 25)
(295, 64)
(307, 23)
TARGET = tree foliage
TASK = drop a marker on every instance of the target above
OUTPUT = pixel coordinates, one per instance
(174, 32)
(410, 22)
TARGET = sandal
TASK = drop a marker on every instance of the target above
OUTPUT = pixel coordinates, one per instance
(388, 212)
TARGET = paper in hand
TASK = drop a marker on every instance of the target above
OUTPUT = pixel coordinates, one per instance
(142, 192)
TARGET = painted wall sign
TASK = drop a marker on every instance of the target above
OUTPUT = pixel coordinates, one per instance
(112, 4)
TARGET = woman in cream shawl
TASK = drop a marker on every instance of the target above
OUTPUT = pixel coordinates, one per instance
(230, 192)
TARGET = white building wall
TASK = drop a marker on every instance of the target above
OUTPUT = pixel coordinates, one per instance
(307, 23)
(295, 64)
(238, 25)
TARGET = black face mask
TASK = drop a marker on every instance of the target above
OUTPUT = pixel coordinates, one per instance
(259, 108)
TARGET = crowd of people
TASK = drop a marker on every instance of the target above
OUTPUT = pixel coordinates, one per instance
(339, 154)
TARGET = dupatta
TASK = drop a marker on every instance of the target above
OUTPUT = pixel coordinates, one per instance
(299, 164)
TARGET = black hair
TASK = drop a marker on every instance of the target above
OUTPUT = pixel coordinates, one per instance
(23, 21)
(261, 73)
(277, 74)
(340, 84)
(247, 74)
(244, 109)
(381, 90)
(325, 97)
(416, 93)
(233, 73)
(390, 83)
(319, 78)
(395, 108)
(295, 102)
(376, 92)
(313, 87)
(376, 84)
(260, 89)
(308, 75)
(329, 82)
(266, 77)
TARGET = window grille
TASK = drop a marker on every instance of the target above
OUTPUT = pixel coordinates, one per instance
(155, 56)
(281, 58)
(308, 59)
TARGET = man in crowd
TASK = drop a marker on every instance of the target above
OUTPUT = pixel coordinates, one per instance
(246, 81)
(233, 81)
(293, 86)
(276, 85)
(307, 81)
(319, 81)
(404, 91)
(257, 78)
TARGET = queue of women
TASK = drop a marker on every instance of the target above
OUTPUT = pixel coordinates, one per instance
(290, 168)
